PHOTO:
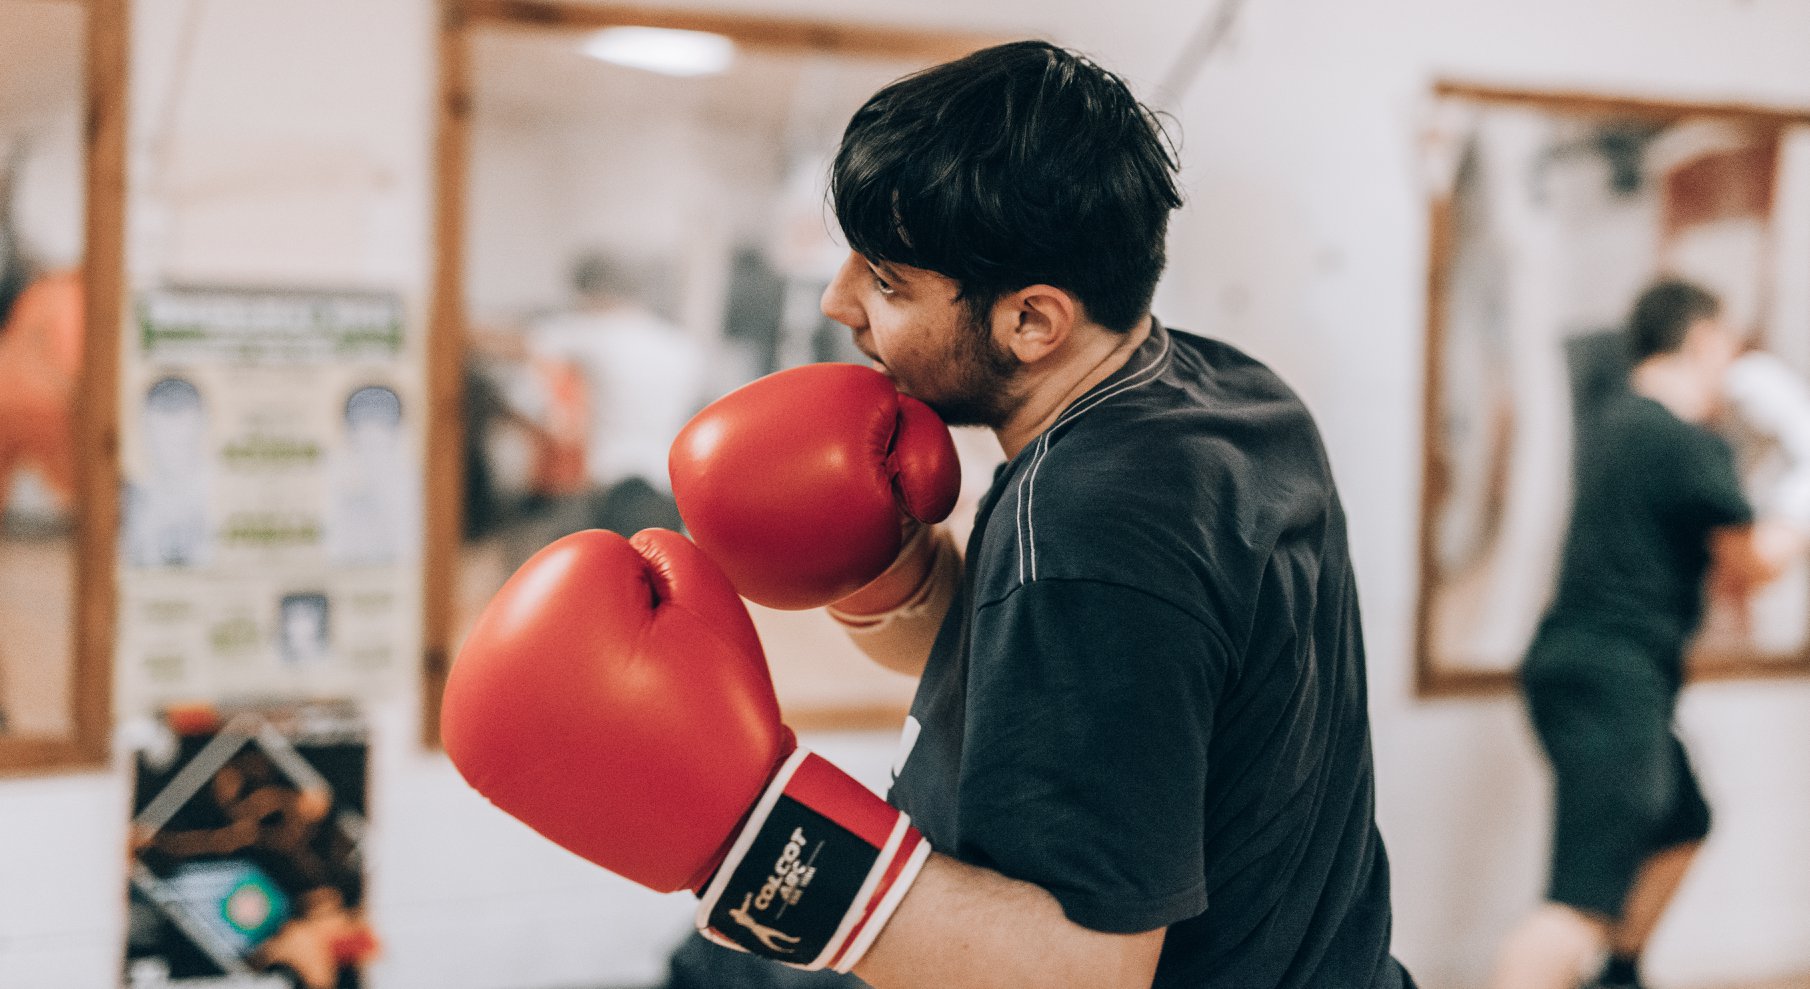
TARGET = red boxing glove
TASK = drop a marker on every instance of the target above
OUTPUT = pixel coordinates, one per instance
(614, 697)
(794, 483)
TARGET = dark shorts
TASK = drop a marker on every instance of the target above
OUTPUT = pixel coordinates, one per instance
(1623, 787)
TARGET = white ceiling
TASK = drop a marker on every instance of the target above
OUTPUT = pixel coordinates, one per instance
(542, 74)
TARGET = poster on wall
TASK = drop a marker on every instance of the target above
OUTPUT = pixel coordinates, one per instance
(246, 867)
(271, 511)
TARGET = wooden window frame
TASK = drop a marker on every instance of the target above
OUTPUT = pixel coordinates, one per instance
(96, 503)
(1430, 680)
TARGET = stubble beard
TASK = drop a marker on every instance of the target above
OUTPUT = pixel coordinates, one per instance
(981, 389)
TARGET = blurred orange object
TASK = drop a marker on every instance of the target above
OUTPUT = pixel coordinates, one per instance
(322, 941)
(40, 363)
(195, 718)
(356, 946)
(559, 467)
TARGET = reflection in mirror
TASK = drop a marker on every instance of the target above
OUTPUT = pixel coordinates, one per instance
(41, 341)
(637, 239)
(1551, 215)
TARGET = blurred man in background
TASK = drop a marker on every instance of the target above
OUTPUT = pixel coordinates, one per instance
(642, 378)
(1657, 509)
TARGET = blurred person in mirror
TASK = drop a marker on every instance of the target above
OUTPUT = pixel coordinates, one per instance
(40, 364)
(642, 378)
(1658, 517)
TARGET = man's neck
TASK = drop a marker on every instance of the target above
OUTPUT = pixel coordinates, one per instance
(1675, 385)
(1049, 393)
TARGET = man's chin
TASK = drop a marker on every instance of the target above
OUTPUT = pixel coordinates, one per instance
(962, 413)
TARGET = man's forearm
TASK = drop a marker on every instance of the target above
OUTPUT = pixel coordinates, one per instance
(1778, 544)
(964, 927)
(1746, 558)
(900, 635)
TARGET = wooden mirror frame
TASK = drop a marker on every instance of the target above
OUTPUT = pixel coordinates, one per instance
(96, 503)
(445, 350)
(1431, 680)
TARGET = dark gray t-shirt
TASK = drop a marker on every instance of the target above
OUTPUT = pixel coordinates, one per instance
(1648, 490)
(1150, 697)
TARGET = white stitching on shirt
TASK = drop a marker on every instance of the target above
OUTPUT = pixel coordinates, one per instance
(1028, 498)
(1018, 526)
(1043, 447)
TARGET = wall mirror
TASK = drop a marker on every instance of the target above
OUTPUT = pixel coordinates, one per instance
(62, 87)
(1550, 213)
(631, 223)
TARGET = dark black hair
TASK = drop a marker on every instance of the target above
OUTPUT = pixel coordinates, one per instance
(1664, 313)
(1018, 164)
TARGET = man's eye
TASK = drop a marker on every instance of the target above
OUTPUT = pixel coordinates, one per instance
(881, 286)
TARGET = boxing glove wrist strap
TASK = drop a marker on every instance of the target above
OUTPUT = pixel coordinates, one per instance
(925, 574)
(815, 873)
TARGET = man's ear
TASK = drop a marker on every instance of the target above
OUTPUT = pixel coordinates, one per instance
(1035, 321)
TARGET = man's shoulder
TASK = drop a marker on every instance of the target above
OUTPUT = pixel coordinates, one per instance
(1183, 478)
(1217, 433)
(1641, 426)
(1156, 514)
(1630, 411)
(1201, 400)
(1231, 372)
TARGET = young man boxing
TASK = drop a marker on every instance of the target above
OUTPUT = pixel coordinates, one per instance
(1139, 754)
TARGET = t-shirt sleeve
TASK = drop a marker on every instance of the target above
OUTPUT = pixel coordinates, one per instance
(1090, 711)
(1704, 487)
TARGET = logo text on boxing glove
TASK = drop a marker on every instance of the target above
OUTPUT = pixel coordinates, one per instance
(788, 894)
(791, 874)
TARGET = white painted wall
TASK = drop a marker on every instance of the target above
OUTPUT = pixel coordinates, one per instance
(48, 200)
(304, 151)
(40, 123)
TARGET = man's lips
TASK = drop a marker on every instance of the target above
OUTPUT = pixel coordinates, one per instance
(880, 366)
(873, 359)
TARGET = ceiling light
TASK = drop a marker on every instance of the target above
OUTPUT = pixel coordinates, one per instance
(669, 52)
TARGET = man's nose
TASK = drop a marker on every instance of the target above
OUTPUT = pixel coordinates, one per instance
(839, 302)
